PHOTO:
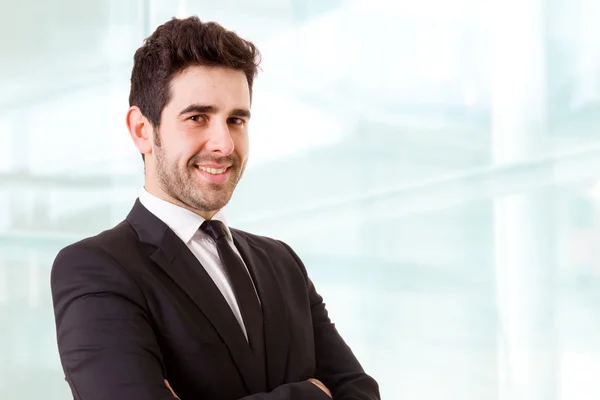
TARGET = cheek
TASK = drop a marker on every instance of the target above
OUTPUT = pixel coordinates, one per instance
(179, 155)
(174, 161)
(241, 146)
(178, 142)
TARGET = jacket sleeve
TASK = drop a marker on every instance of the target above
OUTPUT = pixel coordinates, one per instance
(106, 344)
(337, 366)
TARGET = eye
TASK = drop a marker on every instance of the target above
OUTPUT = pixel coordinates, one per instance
(197, 118)
(236, 121)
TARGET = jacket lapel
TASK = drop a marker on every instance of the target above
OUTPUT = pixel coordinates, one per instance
(275, 316)
(176, 259)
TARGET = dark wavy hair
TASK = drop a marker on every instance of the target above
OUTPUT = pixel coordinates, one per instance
(177, 45)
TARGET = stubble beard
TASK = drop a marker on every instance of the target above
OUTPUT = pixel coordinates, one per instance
(188, 188)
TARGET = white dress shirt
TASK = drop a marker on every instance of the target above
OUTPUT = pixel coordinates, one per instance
(186, 225)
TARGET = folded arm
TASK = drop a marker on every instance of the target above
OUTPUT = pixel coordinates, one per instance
(337, 366)
(106, 343)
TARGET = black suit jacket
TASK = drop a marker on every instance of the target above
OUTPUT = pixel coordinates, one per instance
(133, 306)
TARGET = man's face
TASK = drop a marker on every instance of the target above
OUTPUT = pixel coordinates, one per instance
(201, 148)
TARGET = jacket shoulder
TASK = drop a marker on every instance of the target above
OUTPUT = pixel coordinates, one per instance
(112, 243)
(109, 240)
(258, 240)
(269, 244)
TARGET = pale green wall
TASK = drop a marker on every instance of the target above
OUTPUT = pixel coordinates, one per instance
(434, 163)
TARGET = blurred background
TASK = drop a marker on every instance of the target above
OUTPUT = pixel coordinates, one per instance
(436, 164)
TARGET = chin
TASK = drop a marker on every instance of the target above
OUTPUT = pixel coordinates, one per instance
(213, 201)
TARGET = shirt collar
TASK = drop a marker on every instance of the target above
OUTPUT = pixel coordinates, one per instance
(183, 222)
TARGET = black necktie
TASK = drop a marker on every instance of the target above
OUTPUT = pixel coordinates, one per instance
(242, 286)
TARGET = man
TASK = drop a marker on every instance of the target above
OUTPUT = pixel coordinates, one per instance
(173, 302)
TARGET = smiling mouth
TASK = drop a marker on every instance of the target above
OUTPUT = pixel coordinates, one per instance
(213, 171)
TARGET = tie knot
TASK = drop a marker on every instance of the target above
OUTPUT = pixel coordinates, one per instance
(213, 228)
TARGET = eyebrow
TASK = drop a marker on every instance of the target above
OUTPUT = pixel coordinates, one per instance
(204, 109)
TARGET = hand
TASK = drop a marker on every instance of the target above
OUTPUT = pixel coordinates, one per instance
(321, 386)
(169, 386)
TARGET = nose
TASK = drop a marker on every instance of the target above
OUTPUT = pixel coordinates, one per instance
(220, 140)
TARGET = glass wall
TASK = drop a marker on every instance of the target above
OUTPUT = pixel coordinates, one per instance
(436, 164)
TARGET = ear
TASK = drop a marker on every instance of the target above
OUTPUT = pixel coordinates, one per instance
(140, 130)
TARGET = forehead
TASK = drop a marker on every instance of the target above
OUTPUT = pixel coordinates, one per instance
(217, 86)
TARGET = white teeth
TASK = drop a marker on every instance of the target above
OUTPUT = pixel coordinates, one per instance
(213, 171)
